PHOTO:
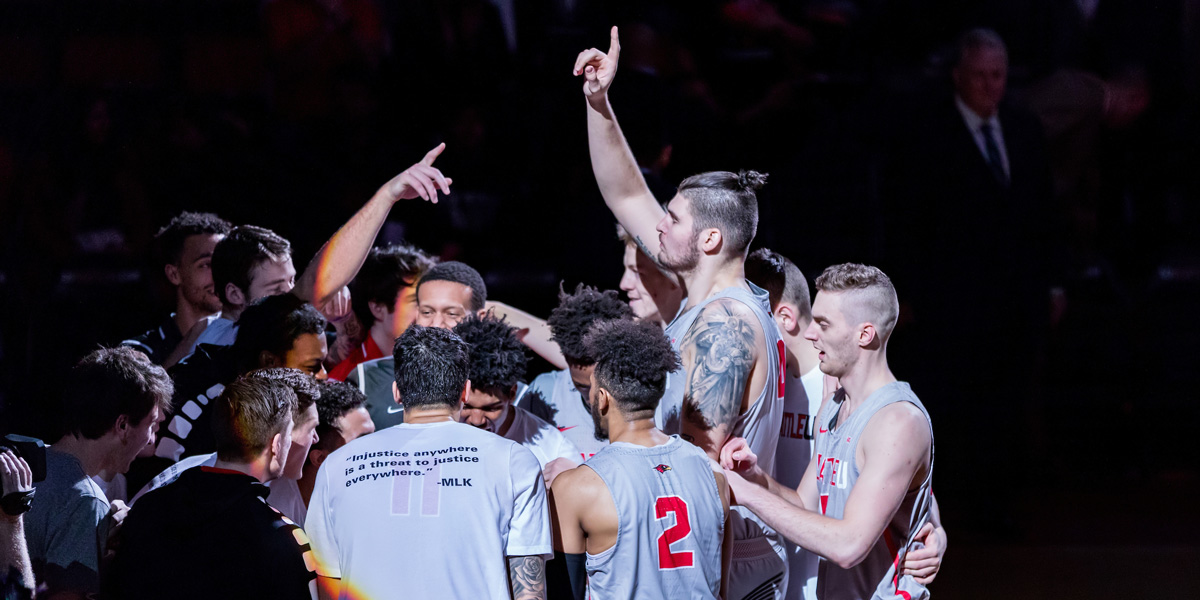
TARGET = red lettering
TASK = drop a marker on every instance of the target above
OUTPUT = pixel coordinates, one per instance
(682, 528)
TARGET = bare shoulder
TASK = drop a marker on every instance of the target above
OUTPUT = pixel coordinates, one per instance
(900, 425)
(580, 484)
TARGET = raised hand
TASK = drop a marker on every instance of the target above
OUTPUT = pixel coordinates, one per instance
(598, 68)
(421, 179)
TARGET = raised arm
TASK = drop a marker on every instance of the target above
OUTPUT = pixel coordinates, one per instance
(617, 173)
(338, 261)
(719, 352)
(895, 447)
(532, 330)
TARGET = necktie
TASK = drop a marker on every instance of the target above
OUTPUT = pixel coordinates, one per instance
(995, 163)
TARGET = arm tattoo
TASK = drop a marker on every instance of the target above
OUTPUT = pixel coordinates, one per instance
(723, 342)
(646, 250)
(528, 577)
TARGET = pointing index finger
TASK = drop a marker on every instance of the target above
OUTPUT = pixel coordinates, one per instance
(433, 154)
(614, 44)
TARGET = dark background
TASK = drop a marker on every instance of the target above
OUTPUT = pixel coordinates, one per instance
(115, 115)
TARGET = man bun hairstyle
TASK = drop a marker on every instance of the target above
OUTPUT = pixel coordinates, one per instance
(111, 382)
(459, 273)
(303, 384)
(781, 278)
(632, 363)
(498, 358)
(431, 366)
(570, 321)
(873, 297)
(272, 324)
(167, 248)
(725, 201)
(385, 272)
(247, 414)
(336, 399)
(239, 252)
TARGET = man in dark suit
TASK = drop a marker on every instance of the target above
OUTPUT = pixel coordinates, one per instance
(970, 232)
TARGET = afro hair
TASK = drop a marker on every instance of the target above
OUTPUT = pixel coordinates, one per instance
(576, 313)
(632, 362)
(498, 357)
(337, 398)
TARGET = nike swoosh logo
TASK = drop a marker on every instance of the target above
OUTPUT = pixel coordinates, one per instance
(395, 409)
(823, 430)
(566, 428)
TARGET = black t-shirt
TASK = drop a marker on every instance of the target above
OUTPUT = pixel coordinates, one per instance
(157, 343)
(210, 534)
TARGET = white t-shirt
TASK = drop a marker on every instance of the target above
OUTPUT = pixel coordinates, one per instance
(542, 438)
(571, 415)
(801, 401)
(220, 332)
(428, 509)
(285, 497)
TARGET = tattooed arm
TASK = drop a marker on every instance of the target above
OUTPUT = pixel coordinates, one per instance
(527, 575)
(719, 353)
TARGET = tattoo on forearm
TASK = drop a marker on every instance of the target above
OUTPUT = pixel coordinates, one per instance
(723, 346)
(528, 577)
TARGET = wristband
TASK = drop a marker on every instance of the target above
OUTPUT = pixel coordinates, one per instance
(17, 503)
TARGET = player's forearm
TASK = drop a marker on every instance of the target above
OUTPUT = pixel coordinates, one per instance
(613, 163)
(533, 332)
(338, 261)
(16, 554)
(834, 539)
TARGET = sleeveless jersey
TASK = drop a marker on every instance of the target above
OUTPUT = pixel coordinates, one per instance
(760, 424)
(876, 576)
(670, 523)
(562, 406)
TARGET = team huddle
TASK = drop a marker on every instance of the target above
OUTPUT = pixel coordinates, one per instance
(720, 434)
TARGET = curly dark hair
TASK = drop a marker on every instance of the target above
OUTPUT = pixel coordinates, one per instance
(498, 359)
(385, 272)
(458, 273)
(272, 324)
(576, 313)
(302, 383)
(431, 366)
(167, 248)
(632, 362)
(337, 398)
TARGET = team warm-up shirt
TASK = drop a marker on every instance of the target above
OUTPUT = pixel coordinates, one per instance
(427, 511)
(876, 576)
(563, 406)
(540, 437)
(670, 523)
(801, 401)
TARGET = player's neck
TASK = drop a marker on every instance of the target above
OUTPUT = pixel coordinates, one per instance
(382, 337)
(257, 469)
(429, 414)
(802, 357)
(711, 277)
(641, 432)
(91, 454)
(231, 312)
(870, 373)
(186, 315)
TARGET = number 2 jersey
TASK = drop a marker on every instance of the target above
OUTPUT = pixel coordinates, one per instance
(670, 523)
(427, 511)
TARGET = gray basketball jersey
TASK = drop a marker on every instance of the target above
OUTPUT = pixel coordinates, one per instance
(670, 523)
(760, 424)
(876, 576)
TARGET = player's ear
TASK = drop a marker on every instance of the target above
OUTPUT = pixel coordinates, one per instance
(465, 393)
(786, 315)
(278, 452)
(710, 240)
(172, 273)
(235, 295)
(396, 394)
(378, 310)
(603, 400)
(868, 336)
(316, 457)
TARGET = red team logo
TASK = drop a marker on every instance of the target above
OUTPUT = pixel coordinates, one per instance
(662, 468)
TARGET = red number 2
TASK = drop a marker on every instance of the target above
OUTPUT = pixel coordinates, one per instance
(682, 528)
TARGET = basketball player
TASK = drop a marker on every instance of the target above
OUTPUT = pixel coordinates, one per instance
(654, 293)
(730, 381)
(648, 509)
(866, 497)
(405, 510)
